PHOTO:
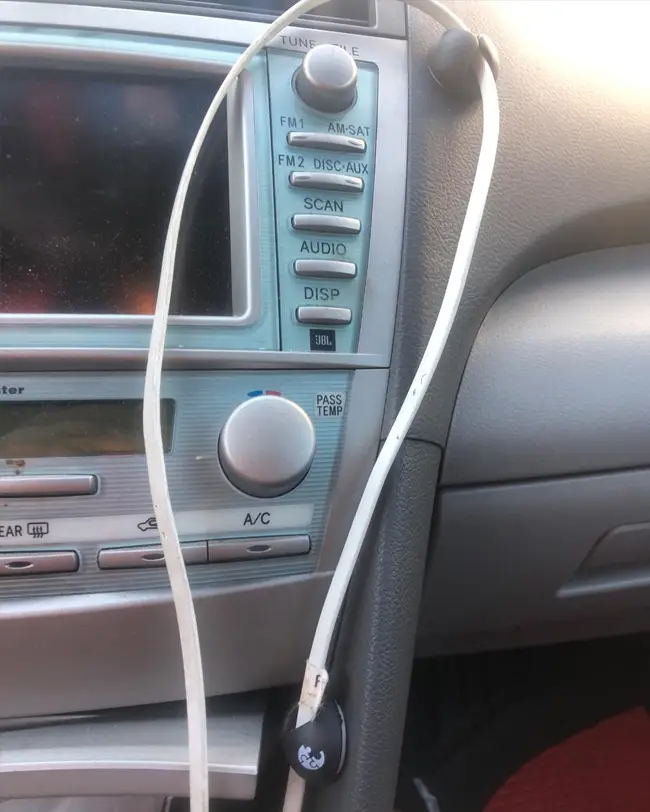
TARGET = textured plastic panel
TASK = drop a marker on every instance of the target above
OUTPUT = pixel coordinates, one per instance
(505, 559)
(557, 382)
(120, 511)
(374, 654)
(289, 114)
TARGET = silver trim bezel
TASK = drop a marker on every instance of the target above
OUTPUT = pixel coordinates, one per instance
(242, 179)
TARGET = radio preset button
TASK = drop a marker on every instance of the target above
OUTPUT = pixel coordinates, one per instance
(309, 314)
(326, 181)
(325, 268)
(326, 224)
(34, 563)
(266, 446)
(254, 549)
(326, 141)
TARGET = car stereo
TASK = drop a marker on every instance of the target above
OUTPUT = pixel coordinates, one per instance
(278, 346)
(274, 245)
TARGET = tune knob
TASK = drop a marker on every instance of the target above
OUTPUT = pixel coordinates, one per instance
(327, 79)
(266, 446)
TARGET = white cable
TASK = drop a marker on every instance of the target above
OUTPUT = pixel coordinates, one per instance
(181, 593)
(425, 372)
(162, 507)
(316, 676)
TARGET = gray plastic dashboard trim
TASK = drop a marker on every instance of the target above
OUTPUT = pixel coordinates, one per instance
(391, 57)
(119, 650)
(507, 562)
(557, 382)
(140, 756)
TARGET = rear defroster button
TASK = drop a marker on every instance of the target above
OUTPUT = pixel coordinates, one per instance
(38, 563)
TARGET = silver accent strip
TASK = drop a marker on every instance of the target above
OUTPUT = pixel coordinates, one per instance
(325, 268)
(149, 555)
(326, 181)
(264, 547)
(244, 212)
(48, 359)
(326, 224)
(326, 141)
(141, 755)
(14, 487)
(323, 315)
(19, 564)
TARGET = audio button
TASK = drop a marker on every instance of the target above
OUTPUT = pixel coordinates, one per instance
(325, 268)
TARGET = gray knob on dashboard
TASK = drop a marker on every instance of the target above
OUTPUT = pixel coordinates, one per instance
(266, 446)
(327, 79)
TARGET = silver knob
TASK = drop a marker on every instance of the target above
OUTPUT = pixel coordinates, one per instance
(327, 79)
(266, 446)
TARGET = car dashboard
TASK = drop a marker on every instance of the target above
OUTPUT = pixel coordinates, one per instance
(516, 513)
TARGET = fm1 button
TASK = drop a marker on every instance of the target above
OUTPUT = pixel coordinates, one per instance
(266, 446)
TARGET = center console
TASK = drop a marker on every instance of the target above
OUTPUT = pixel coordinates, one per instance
(278, 348)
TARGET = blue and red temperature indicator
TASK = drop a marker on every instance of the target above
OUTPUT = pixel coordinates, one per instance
(257, 392)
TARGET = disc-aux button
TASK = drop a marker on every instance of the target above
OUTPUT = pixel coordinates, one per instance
(326, 182)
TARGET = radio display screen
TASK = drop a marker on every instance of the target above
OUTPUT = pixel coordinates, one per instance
(89, 165)
(77, 428)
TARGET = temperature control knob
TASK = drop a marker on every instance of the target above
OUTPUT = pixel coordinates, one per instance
(266, 446)
(327, 79)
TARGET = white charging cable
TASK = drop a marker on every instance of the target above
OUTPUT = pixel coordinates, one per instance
(316, 675)
(162, 507)
(181, 593)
